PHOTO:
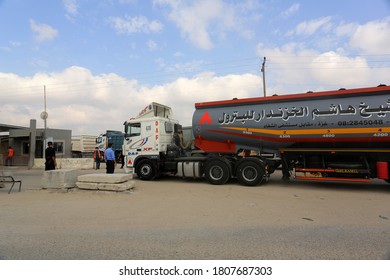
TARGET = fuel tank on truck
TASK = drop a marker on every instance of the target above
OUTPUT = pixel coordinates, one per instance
(353, 118)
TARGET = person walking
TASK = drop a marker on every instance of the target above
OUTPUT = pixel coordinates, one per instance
(122, 157)
(96, 157)
(50, 155)
(109, 156)
(10, 156)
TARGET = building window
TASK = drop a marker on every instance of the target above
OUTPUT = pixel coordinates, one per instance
(58, 147)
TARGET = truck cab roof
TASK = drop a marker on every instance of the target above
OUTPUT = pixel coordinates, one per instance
(156, 110)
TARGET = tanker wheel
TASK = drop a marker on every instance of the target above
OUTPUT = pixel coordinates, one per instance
(217, 172)
(146, 170)
(250, 173)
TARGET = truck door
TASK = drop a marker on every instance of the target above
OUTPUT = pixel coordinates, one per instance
(131, 145)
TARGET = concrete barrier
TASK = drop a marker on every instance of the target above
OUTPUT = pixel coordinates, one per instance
(67, 163)
(59, 179)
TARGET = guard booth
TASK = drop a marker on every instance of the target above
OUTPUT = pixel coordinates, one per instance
(19, 139)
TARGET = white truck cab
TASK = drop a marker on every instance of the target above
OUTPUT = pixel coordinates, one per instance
(146, 139)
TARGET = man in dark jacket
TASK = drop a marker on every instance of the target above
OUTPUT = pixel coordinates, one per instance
(50, 155)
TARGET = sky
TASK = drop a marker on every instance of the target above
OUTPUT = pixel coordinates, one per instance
(100, 62)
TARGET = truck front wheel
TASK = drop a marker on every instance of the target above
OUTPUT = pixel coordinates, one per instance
(217, 172)
(250, 173)
(146, 170)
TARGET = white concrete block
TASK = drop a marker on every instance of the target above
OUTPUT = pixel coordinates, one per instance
(80, 163)
(117, 187)
(67, 163)
(59, 178)
(105, 178)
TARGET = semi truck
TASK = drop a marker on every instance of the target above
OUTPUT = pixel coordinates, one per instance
(338, 135)
(111, 136)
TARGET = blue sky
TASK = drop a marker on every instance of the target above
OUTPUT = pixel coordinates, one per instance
(102, 61)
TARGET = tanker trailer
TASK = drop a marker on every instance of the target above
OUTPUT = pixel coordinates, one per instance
(341, 135)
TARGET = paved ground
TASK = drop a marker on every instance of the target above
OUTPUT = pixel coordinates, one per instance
(190, 219)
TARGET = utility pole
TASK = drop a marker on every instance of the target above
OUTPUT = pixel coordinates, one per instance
(44, 104)
(263, 71)
(32, 144)
(44, 116)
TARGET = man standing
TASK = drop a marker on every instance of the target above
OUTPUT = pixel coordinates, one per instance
(50, 155)
(10, 156)
(96, 157)
(109, 156)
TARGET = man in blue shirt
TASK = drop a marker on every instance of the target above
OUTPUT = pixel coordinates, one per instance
(109, 156)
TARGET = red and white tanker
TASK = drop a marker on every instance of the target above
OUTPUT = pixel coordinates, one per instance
(341, 135)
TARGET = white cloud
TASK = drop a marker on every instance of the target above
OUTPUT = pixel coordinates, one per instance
(342, 70)
(293, 9)
(372, 37)
(36, 62)
(178, 54)
(15, 43)
(310, 27)
(345, 29)
(137, 24)
(152, 45)
(187, 67)
(89, 104)
(128, 2)
(183, 93)
(43, 32)
(193, 21)
(71, 7)
(293, 68)
(199, 21)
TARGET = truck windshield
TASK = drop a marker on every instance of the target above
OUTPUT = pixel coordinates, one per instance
(133, 129)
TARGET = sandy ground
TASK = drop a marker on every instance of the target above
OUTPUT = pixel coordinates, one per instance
(173, 218)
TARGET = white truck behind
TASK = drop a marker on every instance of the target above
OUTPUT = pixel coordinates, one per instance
(83, 145)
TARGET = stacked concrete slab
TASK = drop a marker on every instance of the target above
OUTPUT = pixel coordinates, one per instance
(105, 182)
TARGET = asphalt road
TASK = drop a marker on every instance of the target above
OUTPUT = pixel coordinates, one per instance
(189, 219)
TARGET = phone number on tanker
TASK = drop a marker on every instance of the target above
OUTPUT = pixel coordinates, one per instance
(242, 270)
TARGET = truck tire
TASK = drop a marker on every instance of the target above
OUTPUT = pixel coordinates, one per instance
(250, 173)
(146, 170)
(217, 172)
